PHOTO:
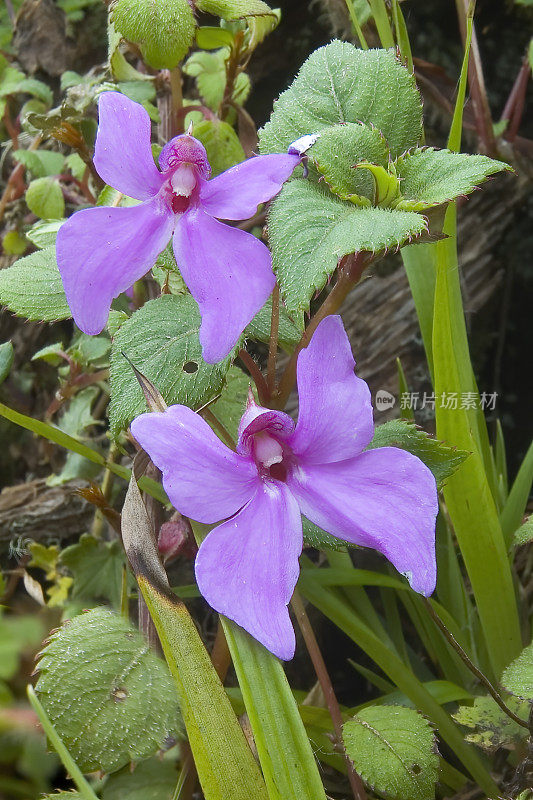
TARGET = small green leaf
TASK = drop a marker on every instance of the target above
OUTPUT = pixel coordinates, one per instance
(310, 230)
(44, 233)
(231, 404)
(78, 415)
(524, 534)
(161, 340)
(32, 288)
(234, 9)
(45, 198)
(340, 83)
(429, 177)
(386, 184)
(164, 32)
(393, 749)
(222, 144)
(96, 567)
(211, 38)
(492, 727)
(41, 163)
(209, 69)
(109, 697)
(76, 165)
(6, 360)
(37, 89)
(518, 677)
(13, 243)
(439, 457)
(152, 779)
(289, 334)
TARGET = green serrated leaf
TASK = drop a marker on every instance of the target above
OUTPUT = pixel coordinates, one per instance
(37, 89)
(289, 334)
(491, 726)
(340, 83)
(233, 9)
(96, 568)
(336, 153)
(152, 779)
(524, 534)
(518, 677)
(209, 69)
(164, 32)
(393, 749)
(40, 163)
(439, 457)
(222, 144)
(6, 360)
(32, 288)
(45, 198)
(161, 340)
(109, 697)
(310, 230)
(44, 233)
(429, 177)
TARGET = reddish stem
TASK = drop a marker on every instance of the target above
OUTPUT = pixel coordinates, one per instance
(273, 341)
(514, 107)
(255, 372)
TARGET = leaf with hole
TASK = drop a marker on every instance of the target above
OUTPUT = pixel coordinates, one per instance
(32, 288)
(340, 83)
(110, 698)
(310, 230)
(161, 340)
(393, 749)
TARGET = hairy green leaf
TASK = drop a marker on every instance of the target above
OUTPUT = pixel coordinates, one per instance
(161, 340)
(429, 177)
(152, 779)
(441, 459)
(524, 534)
(164, 32)
(492, 727)
(336, 153)
(109, 697)
(518, 677)
(310, 230)
(45, 198)
(32, 288)
(340, 83)
(393, 749)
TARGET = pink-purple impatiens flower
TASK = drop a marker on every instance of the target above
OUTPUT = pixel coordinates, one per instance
(103, 251)
(247, 567)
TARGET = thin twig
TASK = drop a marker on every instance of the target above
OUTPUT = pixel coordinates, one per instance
(470, 664)
(327, 688)
(519, 101)
(255, 372)
(273, 341)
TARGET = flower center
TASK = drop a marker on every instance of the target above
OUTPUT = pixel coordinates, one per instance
(269, 456)
(182, 184)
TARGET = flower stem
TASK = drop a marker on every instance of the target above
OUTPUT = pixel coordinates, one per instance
(255, 372)
(329, 693)
(273, 341)
(356, 25)
(349, 273)
(471, 666)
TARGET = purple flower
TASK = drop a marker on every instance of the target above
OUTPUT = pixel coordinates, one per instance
(102, 251)
(247, 567)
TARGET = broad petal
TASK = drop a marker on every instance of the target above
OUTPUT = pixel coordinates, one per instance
(237, 192)
(335, 409)
(385, 499)
(247, 567)
(203, 478)
(102, 251)
(123, 154)
(256, 419)
(229, 274)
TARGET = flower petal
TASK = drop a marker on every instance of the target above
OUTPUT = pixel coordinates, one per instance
(123, 154)
(256, 419)
(237, 192)
(335, 409)
(203, 478)
(185, 149)
(102, 251)
(247, 567)
(385, 499)
(229, 274)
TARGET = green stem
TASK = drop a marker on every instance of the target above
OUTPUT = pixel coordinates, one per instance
(66, 759)
(355, 22)
(381, 18)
